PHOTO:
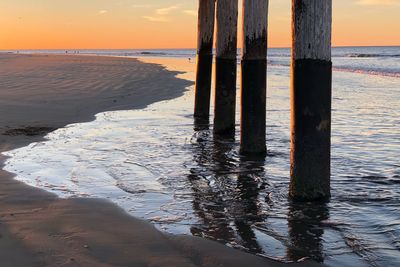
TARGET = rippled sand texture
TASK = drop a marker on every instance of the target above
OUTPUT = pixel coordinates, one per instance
(54, 89)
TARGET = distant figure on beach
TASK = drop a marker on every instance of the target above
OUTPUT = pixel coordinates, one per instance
(190, 59)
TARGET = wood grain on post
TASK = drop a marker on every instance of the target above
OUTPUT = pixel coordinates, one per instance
(204, 58)
(226, 67)
(311, 93)
(254, 77)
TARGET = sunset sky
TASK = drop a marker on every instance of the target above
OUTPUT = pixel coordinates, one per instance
(80, 24)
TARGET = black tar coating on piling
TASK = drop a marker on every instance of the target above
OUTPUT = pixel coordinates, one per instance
(203, 86)
(311, 129)
(225, 96)
(253, 105)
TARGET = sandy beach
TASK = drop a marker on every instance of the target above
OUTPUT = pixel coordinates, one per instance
(40, 93)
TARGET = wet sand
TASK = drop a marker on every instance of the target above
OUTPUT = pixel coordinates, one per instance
(40, 93)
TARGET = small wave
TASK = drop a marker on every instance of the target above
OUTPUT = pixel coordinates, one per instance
(167, 219)
(279, 55)
(152, 53)
(386, 73)
(278, 64)
(372, 55)
(369, 72)
(381, 179)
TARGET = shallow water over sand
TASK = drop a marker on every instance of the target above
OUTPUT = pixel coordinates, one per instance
(157, 164)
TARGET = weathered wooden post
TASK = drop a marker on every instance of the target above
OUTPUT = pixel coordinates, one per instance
(225, 67)
(254, 77)
(311, 90)
(204, 58)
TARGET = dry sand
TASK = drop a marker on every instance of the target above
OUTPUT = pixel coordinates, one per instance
(39, 93)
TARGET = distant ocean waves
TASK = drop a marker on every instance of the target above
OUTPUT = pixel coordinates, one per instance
(373, 55)
(365, 69)
(381, 61)
(379, 72)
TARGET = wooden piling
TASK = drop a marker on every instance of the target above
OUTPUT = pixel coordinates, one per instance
(254, 77)
(225, 67)
(205, 40)
(311, 90)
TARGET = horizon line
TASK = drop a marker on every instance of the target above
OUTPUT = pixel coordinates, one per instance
(181, 48)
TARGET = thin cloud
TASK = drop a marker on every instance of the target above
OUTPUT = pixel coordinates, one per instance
(156, 19)
(167, 10)
(190, 12)
(103, 12)
(161, 14)
(378, 2)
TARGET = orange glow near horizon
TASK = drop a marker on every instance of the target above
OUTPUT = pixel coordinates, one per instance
(129, 24)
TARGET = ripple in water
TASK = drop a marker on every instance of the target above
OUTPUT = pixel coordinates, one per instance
(157, 164)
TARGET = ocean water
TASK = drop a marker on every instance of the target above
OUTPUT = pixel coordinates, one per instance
(158, 164)
(383, 61)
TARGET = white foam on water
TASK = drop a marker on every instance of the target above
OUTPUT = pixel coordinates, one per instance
(93, 159)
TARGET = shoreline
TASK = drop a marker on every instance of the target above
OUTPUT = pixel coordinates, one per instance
(39, 229)
(274, 59)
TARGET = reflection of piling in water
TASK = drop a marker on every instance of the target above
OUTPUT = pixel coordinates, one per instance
(305, 230)
(225, 67)
(311, 87)
(204, 58)
(208, 200)
(254, 77)
(249, 190)
(225, 193)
